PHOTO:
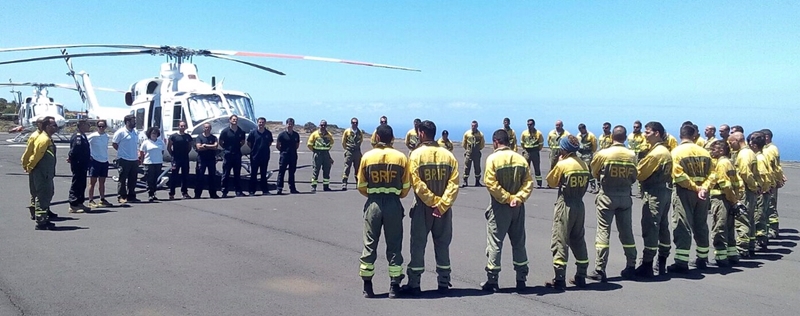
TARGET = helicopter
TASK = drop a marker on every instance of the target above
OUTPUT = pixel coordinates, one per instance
(36, 106)
(178, 94)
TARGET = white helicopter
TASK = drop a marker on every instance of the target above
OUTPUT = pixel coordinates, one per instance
(36, 106)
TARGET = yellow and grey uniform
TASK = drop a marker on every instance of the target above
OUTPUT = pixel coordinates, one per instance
(447, 144)
(771, 151)
(725, 192)
(41, 165)
(747, 167)
(434, 178)
(374, 140)
(351, 143)
(512, 138)
(605, 141)
(507, 177)
(654, 172)
(691, 171)
(532, 142)
(638, 143)
(473, 143)
(320, 144)
(553, 138)
(588, 146)
(412, 140)
(671, 142)
(570, 176)
(25, 160)
(707, 143)
(700, 142)
(384, 179)
(762, 200)
(615, 167)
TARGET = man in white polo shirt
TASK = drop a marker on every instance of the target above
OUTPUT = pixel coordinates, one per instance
(126, 143)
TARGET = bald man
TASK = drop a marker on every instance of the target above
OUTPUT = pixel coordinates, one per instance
(553, 139)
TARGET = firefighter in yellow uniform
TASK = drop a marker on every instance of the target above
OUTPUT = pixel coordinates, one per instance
(384, 179)
(508, 180)
(773, 154)
(412, 139)
(473, 143)
(588, 146)
(636, 140)
(374, 138)
(41, 165)
(26, 155)
(671, 142)
(532, 143)
(512, 136)
(351, 143)
(654, 172)
(434, 179)
(725, 192)
(711, 136)
(605, 139)
(320, 143)
(553, 141)
(445, 142)
(757, 142)
(747, 167)
(571, 177)
(691, 173)
(615, 167)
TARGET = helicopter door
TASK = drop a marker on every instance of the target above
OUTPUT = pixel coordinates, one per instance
(140, 119)
(177, 115)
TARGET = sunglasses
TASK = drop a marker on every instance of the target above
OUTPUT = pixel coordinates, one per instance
(323, 125)
(101, 126)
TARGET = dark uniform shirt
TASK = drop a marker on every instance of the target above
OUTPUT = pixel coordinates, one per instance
(288, 143)
(206, 155)
(181, 145)
(231, 140)
(79, 152)
(259, 151)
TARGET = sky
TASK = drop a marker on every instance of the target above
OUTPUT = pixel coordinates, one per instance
(711, 62)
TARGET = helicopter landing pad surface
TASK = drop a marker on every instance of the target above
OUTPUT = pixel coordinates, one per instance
(298, 255)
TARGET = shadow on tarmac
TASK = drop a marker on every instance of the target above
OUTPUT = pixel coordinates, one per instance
(67, 228)
(453, 292)
(785, 244)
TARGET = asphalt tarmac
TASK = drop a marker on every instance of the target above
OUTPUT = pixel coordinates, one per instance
(299, 255)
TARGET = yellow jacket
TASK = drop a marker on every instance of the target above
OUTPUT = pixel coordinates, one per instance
(571, 176)
(446, 144)
(374, 140)
(351, 140)
(512, 139)
(771, 151)
(535, 141)
(707, 143)
(41, 146)
(726, 181)
(692, 167)
(473, 141)
(317, 141)
(671, 142)
(616, 168)
(637, 142)
(655, 169)
(508, 176)
(700, 142)
(553, 138)
(589, 142)
(765, 171)
(412, 140)
(747, 166)
(26, 155)
(434, 176)
(384, 170)
(605, 141)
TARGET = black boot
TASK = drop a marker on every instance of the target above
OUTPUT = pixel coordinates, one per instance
(556, 284)
(490, 287)
(678, 268)
(478, 182)
(326, 188)
(645, 270)
(33, 212)
(662, 265)
(700, 263)
(598, 275)
(394, 290)
(466, 184)
(368, 292)
(521, 286)
(578, 281)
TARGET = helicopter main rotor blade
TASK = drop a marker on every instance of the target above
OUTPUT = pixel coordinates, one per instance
(325, 59)
(122, 46)
(119, 53)
(247, 63)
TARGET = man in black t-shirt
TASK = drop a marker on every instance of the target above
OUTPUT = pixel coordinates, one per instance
(259, 141)
(206, 146)
(179, 145)
(288, 142)
(231, 139)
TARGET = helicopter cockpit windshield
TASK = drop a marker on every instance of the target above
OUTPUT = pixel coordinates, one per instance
(241, 104)
(206, 106)
(47, 109)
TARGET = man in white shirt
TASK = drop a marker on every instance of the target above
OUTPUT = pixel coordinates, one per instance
(126, 142)
(98, 166)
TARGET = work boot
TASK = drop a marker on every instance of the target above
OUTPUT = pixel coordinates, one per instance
(521, 286)
(313, 189)
(598, 275)
(51, 214)
(558, 285)
(368, 292)
(344, 185)
(762, 245)
(662, 265)
(578, 281)
(645, 269)
(678, 268)
(490, 286)
(394, 290)
(629, 273)
(410, 291)
(478, 183)
(723, 263)
(33, 212)
(45, 226)
(326, 188)
(465, 184)
(443, 288)
(700, 263)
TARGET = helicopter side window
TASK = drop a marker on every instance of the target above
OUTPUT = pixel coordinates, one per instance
(140, 119)
(177, 116)
(156, 121)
